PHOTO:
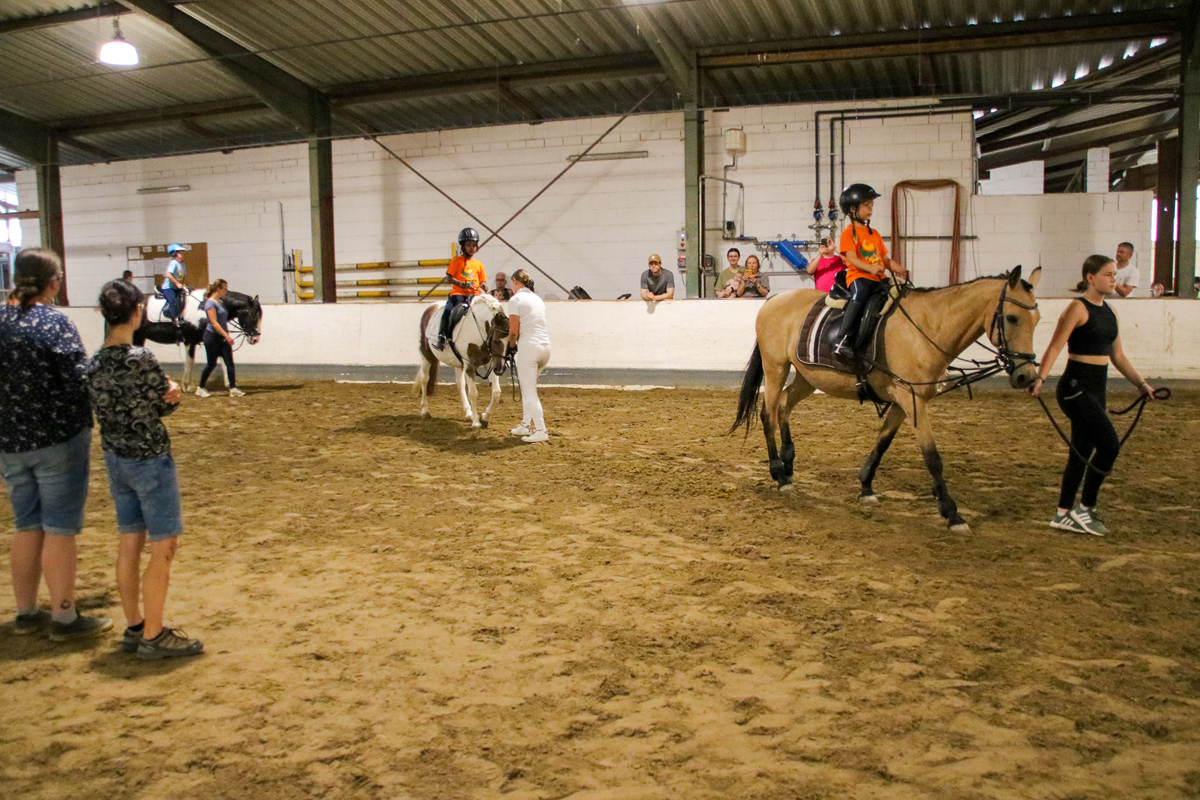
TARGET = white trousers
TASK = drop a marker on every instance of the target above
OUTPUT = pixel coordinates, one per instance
(531, 360)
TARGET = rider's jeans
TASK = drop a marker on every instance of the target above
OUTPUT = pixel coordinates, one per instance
(531, 359)
(171, 307)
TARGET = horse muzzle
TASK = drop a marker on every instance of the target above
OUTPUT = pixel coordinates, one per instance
(1023, 375)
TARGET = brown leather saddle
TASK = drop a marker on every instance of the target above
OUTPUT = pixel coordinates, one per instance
(823, 327)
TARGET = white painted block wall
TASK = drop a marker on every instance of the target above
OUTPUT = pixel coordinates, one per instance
(595, 227)
(1159, 335)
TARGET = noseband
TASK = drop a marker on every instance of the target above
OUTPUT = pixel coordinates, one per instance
(1012, 360)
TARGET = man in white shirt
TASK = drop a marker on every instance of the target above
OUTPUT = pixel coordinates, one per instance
(1128, 276)
(527, 327)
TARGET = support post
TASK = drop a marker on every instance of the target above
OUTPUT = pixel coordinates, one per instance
(320, 192)
(1189, 153)
(693, 183)
(1164, 211)
(50, 213)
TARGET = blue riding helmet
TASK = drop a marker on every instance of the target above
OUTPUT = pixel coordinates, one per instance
(175, 248)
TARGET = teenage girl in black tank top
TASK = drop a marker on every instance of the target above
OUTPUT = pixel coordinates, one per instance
(1088, 328)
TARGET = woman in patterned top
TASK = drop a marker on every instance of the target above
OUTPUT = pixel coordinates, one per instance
(45, 443)
(130, 394)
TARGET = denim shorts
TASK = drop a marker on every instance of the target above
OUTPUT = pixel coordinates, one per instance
(48, 487)
(146, 494)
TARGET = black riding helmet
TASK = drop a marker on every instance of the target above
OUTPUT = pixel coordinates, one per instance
(855, 195)
(467, 235)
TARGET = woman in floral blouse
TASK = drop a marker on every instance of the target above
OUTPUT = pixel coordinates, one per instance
(130, 394)
(45, 443)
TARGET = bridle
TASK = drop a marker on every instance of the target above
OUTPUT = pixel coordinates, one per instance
(1010, 359)
(489, 334)
(238, 332)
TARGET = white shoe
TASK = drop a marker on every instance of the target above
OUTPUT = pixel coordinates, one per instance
(522, 430)
(537, 436)
(201, 393)
(236, 392)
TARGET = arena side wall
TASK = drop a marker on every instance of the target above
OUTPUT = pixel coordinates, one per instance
(1161, 336)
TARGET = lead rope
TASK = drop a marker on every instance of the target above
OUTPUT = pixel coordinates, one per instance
(1161, 393)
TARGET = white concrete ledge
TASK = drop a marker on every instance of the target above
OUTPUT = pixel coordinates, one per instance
(1160, 336)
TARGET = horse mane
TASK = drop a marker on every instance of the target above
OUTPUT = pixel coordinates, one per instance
(1026, 285)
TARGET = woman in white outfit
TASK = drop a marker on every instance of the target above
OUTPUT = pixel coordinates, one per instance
(527, 326)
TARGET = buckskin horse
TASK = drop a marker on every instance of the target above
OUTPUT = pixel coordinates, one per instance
(478, 341)
(913, 351)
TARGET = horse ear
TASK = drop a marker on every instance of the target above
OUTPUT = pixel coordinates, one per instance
(1034, 277)
(1014, 277)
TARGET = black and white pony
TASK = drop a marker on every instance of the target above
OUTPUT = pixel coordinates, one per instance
(477, 349)
(245, 319)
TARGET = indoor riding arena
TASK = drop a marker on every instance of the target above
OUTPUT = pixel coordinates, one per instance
(685, 588)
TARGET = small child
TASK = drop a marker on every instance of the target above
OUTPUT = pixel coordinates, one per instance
(129, 394)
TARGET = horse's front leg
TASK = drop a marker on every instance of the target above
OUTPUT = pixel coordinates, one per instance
(473, 395)
(933, 462)
(189, 368)
(494, 379)
(887, 432)
(461, 382)
(423, 386)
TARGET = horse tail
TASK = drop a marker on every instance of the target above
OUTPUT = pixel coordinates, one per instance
(427, 352)
(748, 400)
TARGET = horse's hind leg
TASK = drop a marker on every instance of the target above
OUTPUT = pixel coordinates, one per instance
(774, 377)
(933, 462)
(887, 432)
(797, 391)
(461, 380)
(189, 368)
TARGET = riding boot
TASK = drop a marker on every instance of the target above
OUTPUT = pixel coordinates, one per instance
(849, 331)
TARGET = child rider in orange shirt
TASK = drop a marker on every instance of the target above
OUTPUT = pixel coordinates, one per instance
(866, 259)
(468, 278)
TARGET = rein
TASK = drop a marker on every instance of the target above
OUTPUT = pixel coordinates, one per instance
(1161, 393)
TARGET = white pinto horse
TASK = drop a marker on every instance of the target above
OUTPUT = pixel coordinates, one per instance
(477, 347)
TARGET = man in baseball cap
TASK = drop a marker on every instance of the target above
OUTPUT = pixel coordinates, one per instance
(656, 283)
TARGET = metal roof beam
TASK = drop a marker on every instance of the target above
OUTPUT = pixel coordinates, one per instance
(512, 98)
(102, 9)
(282, 91)
(84, 147)
(1078, 127)
(941, 41)
(412, 87)
(669, 47)
(152, 117)
(25, 138)
(988, 163)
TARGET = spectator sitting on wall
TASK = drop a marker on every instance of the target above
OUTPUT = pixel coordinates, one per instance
(825, 268)
(657, 284)
(754, 284)
(734, 256)
(1128, 276)
(502, 292)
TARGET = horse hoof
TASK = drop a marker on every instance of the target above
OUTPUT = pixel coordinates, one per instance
(868, 500)
(425, 414)
(483, 423)
(787, 488)
(960, 527)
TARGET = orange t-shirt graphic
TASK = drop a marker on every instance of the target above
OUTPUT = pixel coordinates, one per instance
(867, 246)
(467, 270)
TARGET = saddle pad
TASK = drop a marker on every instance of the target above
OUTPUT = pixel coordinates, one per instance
(823, 327)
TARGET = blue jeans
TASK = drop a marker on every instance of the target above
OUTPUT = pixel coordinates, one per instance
(171, 307)
(48, 487)
(146, 494)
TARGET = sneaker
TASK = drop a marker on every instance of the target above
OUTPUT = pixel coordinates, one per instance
(1089, 520)
(236, 392)
(1065, 522)
(522, 430)
(171, 643)
(81, 628)
(536, 436)
(130, 640)
(36, 622)
(200, 392)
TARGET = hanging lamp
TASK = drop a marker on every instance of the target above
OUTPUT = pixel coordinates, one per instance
(118, 52)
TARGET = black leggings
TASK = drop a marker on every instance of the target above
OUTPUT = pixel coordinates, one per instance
(1081, 396)
(218, 349)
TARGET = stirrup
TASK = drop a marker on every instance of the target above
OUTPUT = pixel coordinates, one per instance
(843, 348)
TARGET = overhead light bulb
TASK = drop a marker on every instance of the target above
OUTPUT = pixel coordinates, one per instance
(117, 51)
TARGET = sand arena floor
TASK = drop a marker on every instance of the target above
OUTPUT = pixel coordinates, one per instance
(405, 608)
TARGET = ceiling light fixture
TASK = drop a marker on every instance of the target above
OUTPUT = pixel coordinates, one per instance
(118, 52)
(611, 156)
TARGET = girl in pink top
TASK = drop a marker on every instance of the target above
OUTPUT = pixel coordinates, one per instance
(825, 269)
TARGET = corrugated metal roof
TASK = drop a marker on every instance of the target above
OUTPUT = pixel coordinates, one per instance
(50, 74)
